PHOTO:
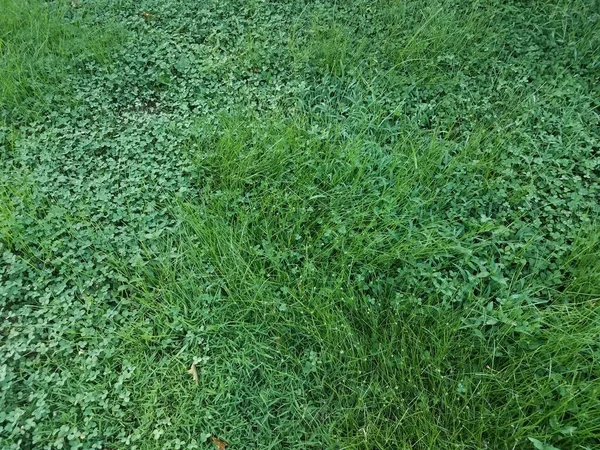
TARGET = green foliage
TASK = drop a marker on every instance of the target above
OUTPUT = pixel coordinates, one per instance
(368, 224)
(38, 42)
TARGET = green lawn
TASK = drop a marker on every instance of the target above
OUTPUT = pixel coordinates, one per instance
(363, 224)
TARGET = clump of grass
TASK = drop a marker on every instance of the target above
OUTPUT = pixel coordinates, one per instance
(40, 45)
(306, 266)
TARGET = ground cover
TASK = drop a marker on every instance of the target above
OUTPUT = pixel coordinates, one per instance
(356, 224)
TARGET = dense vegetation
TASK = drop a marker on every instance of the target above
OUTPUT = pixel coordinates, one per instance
(358, 225)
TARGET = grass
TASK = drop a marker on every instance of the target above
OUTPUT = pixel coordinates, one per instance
(39, 42)
(363, 224)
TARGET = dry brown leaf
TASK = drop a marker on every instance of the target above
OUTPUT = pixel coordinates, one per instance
(221, 445)
(193, 372)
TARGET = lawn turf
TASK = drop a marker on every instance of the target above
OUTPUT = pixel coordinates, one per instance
(366, 224)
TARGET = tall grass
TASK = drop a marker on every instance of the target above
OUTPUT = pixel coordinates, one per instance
(41, 44)
(304, 265)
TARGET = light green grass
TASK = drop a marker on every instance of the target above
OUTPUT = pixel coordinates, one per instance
(293, 283)
(370, 225)
(39, 43)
